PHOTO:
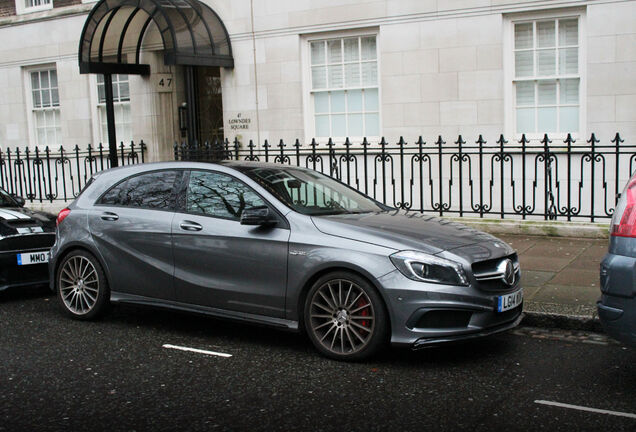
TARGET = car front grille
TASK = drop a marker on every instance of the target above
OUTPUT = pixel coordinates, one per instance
(490, 277)
(27, 241)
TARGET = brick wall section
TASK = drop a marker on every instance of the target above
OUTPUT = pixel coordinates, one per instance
(7, 7)
(62, 3)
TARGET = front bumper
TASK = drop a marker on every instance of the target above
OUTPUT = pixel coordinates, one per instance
(13, 275)
(425, 314)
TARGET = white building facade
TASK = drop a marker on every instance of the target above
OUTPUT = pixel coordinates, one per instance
(341, 68)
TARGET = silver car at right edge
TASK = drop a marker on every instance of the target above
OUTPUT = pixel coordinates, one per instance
(617, 306)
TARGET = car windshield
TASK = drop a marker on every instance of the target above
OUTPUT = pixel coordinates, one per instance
(309, 192)
(6, 200)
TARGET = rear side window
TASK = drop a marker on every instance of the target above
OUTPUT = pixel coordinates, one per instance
(152, 190)
(219, 195)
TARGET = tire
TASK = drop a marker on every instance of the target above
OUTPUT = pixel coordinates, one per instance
(345, 317)
(81, 286)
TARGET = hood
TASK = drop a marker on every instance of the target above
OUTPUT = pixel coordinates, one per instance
(402, 230)
(18, 220)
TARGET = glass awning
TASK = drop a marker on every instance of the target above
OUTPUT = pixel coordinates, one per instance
(188, 31)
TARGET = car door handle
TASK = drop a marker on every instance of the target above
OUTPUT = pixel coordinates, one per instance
(108, 216)
(190, 226)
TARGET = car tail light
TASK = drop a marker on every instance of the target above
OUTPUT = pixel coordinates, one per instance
(624, 219)
(62, 215)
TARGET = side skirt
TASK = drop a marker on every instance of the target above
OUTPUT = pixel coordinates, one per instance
(118, 297)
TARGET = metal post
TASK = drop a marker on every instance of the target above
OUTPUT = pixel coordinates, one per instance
(110, 120)
(191, 103)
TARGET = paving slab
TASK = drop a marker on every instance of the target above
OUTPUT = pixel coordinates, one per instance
(535, 278)
(545, 263)
(560, 276)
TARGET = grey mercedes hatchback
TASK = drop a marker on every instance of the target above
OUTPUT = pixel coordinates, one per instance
(282, 246)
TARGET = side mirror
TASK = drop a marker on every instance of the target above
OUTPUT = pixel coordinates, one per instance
(260, 215)
(19, 200)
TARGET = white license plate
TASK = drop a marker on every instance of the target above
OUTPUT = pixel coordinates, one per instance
(509, 301)
(33, 258)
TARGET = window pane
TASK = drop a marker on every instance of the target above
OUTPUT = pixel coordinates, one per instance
(352, 75)
(547, 119)
(334, 51)
(569, 119)
(115, 92)
(49, 116)
(46, 98)
(547, 93)
(152, 190)
(318, 77)
(335, 76)
(322, 126)
(369, 73)
(37, 101)
(35, 80)
(546, 64)
(55, 97)
(525, 120)
(354, 101)
(525, 93)
(42, 137)
(100, 79)
(50, 136)
(568, 61)
(53, 78)
(355, 125)
(524, 65)
(337, 101)
(523, 35)
(338, 125)
(568, 32)
(569, 91)
(124, 91)
(368, 48)
(219, 195)
(317, 53)
(321, 102)
(371, 100)
(44, 79)
(372, 124)
(546, 36)
(351, 50)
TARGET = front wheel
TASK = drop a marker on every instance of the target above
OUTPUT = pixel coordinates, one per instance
(82, 289)
(345, 317)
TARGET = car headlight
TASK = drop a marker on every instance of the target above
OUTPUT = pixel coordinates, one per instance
(423, 267)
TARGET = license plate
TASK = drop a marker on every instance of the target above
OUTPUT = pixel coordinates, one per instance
(33, 258)
(509, 301)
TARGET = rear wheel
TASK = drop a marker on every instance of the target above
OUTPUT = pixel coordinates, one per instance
(345, 317)
(82, 288)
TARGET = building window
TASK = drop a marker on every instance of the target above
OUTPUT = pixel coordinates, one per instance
(46, 107)
(547, 78)
(28, 6)
(121, 99)
(344, 87)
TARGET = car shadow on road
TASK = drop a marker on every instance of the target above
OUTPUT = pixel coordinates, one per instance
(21, 294)
(181, 325)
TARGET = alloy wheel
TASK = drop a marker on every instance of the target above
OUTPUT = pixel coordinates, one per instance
(79, 285)
(342, 317)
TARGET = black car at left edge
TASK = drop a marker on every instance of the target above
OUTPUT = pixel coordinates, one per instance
(25, 239)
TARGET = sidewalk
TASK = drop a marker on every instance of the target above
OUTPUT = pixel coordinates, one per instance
(560, 277)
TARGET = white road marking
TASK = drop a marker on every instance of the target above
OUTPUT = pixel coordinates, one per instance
(582, 408)
(200, 351)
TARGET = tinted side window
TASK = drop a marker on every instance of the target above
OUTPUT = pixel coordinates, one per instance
(152, 190)
(219, 195)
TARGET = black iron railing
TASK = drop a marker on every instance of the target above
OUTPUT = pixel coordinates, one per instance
(46, 175)
(547, 179)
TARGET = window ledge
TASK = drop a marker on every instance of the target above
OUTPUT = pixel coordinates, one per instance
(33, 15)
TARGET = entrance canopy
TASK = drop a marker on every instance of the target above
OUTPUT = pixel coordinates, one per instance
(191, 33)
